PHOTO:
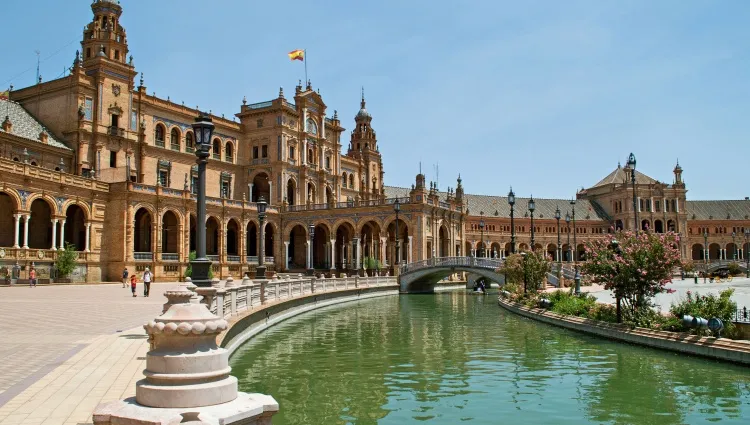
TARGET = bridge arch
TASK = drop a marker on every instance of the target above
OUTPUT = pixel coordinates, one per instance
(422, 276)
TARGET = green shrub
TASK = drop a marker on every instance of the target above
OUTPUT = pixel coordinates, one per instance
(707, 307)
(603, 312)
(67, 260)
(734, 269)
(565, 303)
(189, 270)
(371, 263)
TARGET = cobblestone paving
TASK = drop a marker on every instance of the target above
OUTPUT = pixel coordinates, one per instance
(44, 327)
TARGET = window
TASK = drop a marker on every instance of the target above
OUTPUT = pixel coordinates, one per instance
(264, 151)
(194, 179)
(310, 156)
(328, 162)
(260, 123)
(351, 181)
(278, 120)
(159, 135)
(88, 109)
(226, 185)
(88, 52)
(255, 152)
(189, 142)
(174, 139)
(133, 120)
(115, 120)
(648, 205)
(163, 173)
(117, 55)
(343, 178)
(112, 159)
(163, 178)
(291, 152)
(228, 152)
(217, 149)
(311, 127)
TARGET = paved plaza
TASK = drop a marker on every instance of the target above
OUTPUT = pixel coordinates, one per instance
(68, 348)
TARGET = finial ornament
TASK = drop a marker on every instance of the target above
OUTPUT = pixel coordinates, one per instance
(244, 100)
(141, 79)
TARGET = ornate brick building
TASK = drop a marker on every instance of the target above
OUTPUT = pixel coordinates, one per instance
(93, 160)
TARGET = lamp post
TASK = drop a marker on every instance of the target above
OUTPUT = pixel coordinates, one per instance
(511, 202)
(397, 208)
(481, 237)
(705, 246)
(260, 272)
(532, 207)
(203, 129)
(311, 232)
(575, 244)
(567, 223)
(734, 245)
(559, 248)
(747, 254)
(631, 164)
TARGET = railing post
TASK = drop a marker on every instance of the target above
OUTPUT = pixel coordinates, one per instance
(233, 294)
(220, 294)
(262, 292)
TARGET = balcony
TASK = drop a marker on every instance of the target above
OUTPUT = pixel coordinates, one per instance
(115, 131)
(143, 256)
(217, 156)
(233, 258)
(170, 256)
(175, 147)
(260, 161)
(214, 258)
(159, 143)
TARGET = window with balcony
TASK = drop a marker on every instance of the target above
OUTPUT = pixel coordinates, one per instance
(264, 151)
(226, 185)
(112, 159)
(159, 135)
(189, 144)
(328, 162)
(174, 139)
(217, 149)
(229, 152)
(163, 173)
(292, 152)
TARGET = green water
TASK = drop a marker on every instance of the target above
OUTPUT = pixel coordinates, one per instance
(458, 358)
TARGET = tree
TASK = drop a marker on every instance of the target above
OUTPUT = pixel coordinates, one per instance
(527, 268)
(67, 260)
(633, 266)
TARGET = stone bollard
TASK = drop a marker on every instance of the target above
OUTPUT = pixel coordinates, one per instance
(187, 375)
(246, 281)
(229, 283)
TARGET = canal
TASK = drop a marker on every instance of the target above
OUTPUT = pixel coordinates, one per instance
(458, 358)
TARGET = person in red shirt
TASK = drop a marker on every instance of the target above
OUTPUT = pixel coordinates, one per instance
(32, 278)
(133, 281)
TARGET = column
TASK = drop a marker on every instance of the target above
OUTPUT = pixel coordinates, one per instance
(88, 236)
(286, 255)
(26, 220)
(382, 250)
(17, 218)
(250, 192)
(303, 154)
(356, 252)
(308, 260)
(270, 192)
(408, 253)
(62, 235)
(54, 235)
(333, 254)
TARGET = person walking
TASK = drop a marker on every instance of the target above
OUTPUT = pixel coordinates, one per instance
(32, 278)
(133, 282)
(125, 278)
(147, 277)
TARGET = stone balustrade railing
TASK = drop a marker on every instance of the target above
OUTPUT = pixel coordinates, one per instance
(233, 298)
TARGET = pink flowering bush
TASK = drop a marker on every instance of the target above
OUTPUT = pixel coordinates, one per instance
(636, 271)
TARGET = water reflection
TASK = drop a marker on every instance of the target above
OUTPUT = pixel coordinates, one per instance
(453, 358)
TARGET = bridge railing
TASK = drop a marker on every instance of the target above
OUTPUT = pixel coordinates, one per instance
(485, 263)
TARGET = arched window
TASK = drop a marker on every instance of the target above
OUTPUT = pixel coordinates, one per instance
(159, 135)
(310, 156)
(229, 152)
(343, 178)
(351, 181)
(311, 127)
(189, 142)
(217, 149)
(174, 139)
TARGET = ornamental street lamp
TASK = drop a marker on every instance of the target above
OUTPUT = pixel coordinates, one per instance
(734, 245)
(481, 237)
(260, 272)
(705, 246)
(631, 164)
(311, 229)
(203, 129)
(397, 208)
(532, 207)
(511, 202)
(567, 222)
(745, 251)
(559, 248)
(575, 244)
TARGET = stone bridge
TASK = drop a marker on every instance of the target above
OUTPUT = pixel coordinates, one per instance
(716, 265)
(422, 276)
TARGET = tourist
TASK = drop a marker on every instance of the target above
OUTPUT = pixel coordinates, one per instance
(125, 278)
(147, 277)
(133, 281)
(32, 278)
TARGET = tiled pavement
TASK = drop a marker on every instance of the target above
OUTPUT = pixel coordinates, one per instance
(68, 348)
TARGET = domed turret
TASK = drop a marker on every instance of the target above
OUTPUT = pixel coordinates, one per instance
(363, 114)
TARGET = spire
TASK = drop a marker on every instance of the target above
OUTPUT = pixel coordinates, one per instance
(281, 92)
(363, 98)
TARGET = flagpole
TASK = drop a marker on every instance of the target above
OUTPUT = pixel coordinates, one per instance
(304, 59)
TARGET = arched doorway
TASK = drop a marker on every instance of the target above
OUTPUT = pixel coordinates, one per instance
(251, 240)
(170, 233)
(403, 238)
(261, 187)
(468, 249)
(567, 255)
(618, 225)
(508, 249)
(75, 227)
(732, 251)
(40, 226)
(713, 251)
(495, 250)
(297, 248)
(329, 195)
(142, 231)
(344, 254)
(7, 221)
(645, 225)
(671, 226)
(697, 252)
(212, 236)
(291, 192)
(444, 242)
(269, 239)
(552, 251)
(581, 253)
(321, 247)
(658, 226)
(233, 240)
(523, 247)
(746, 250)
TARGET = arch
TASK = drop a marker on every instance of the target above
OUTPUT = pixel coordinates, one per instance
(523, 247)
(645, 225)
(401, 256)
(697, 252)
(8, 207)
(212, 236)
(269, 234)
(552, 251)
(216, 148)
(84, 207)
(671, 226)
(444, 242)
(311, 193)
(232, 237)
(51, 202)
(619, 225)
(251, 239)
(310, 156)
(714, 251)
(229, 152)
(329, 195)
(567, 253)
(160, 132)
(369, 234)
(311, 127)
(731, 250)
(746, 251)
(174, 138)
(189, 141)
(142, 230)
(495, 250)
(40, 226)
(344, 179)
(291, 191)
(508, 249)
(344, 235)
(351, 181)
(297, 255)
(658, 226)
(581, 255)
(321, 249)
(170, 232)
(261, 187)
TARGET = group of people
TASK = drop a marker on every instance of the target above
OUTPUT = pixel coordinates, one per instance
(148, 277)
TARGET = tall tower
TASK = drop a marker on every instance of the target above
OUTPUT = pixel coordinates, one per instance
(104, 37)
(364, 147)
(678, 174)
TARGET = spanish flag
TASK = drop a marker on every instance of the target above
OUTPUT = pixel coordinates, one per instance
(297, 55)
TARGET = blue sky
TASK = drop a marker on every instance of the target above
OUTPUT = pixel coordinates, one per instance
(546, 96)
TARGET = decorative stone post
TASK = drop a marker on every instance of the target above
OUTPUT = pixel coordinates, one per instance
(187, 374)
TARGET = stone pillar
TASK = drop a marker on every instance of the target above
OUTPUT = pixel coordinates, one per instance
(382, 250)
(286, 255)
(308, 260)
(408, 252)
(333, 254)
(250, 192)
(17, 218)
(54, 235)
(88, 237)
(26, 220)
(270, 192)
(62, 235)
(356, 252)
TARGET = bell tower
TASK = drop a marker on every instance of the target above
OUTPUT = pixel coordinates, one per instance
(678, 174)
(364, 147)
(104, 39)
